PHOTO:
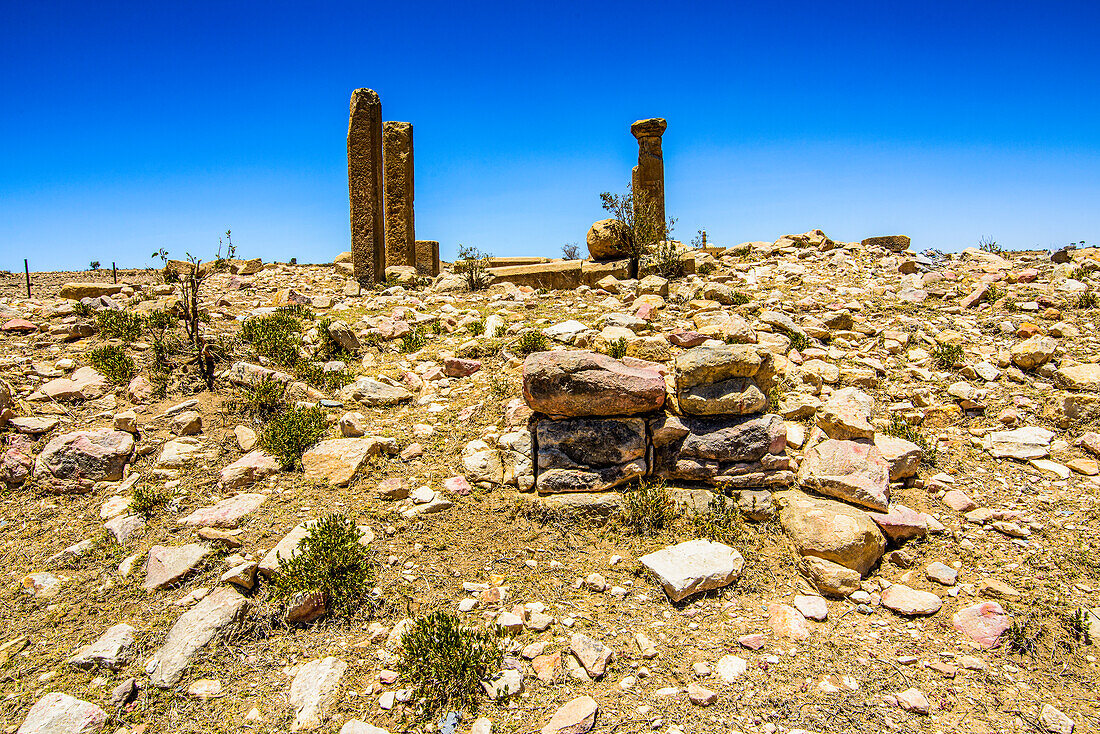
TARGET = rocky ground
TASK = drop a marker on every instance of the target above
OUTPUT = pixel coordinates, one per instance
(923, 555)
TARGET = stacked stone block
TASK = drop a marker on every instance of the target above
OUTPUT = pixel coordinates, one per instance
(600, 422)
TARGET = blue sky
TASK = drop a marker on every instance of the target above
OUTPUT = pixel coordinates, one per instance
(125, 127)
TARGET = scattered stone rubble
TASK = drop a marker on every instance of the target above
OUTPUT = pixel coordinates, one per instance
(869, 582)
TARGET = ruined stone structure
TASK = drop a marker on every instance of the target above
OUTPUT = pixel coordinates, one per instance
(426, 257)
(397, 149)
(648, 179)
(368, 244)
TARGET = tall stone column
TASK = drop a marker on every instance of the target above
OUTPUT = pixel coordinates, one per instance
(397, 148)
(648, 177)
(368, 243)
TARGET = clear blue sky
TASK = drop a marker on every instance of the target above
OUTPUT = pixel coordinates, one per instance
(125, 127)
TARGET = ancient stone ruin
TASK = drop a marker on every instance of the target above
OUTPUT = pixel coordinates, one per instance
(648, 179)
(380, 188)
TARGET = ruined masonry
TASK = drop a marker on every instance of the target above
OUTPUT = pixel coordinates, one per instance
(397, 150)
(427, 257)
(365, 186)
(648, 177)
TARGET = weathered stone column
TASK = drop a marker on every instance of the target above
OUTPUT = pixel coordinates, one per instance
(427, 257)
(368, 244)
(397, 148)
(648, 178)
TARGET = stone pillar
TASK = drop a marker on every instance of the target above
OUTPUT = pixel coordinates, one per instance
(427, 257)
(368, 244)
(648, 179)
(397, 148)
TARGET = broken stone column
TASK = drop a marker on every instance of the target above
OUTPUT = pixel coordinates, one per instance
(648, 178)
(368, 244)
(426, 257)
(397, 148)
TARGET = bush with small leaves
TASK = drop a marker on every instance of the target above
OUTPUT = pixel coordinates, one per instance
(275, 336)
(320, 378)
(946, 356)
(113, 362)
(647, 508)
(476, 327)
(146, 498)
(119, 324)
(444, 662)
(529, 342)
(260, 400)
(901, 428)
(723, 523)
(413, 340)
(332, 562)
(616, 348)
(473, 264)
(1086, 300)
(291, 432)
(705, 268)
(327, 348)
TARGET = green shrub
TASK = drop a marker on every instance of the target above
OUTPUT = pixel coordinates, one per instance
(740, 299)
(275, 336)
(799, 341)
(1082, 272)
(946, 356)
(83, 310)
(119, 324)
(322, 379)
(1086, 300)
(530, 342)
(723, 523)
(901, 428)
(159, 320)
(437, 327)
(473, 264)
(290, 432)
(261, 399)
(476, 327)
(617, 348)
(332, 562)
(647, 508)
(705, 268)
(414, 340)
(445, 662)
(665, 259)
(113, 362)
(146, 498)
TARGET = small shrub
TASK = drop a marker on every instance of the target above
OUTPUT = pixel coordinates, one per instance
(275, 336)
(1018, 639)
(290, 432)
(1077, 626)
(146, 498)
(993, 293)
(94, 265)
(665, 259)
(617, 349)
(1083, 272)
(476, 327)
(1086, 300)
(260, 400)
(799, 340)
(83, 310)
(740, 299)
(113, 363)
(414, 340)
(530, 342)
(322, 379)
(120, 324)
(648, 508)
(444, 662)
(332, 562)
(706, 268)
(901, 428)
(437, 327)
(474, 266)
(499, 387)
(159, 320)
(297, 310)
(988, 244)
(946, 356)
(741, 251)
(723, 523)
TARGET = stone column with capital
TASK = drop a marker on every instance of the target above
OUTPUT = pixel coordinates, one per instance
(368, 243)
(397, 149)
(648, 179)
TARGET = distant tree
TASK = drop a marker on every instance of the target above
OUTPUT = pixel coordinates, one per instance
(571, 251)
(94, 265)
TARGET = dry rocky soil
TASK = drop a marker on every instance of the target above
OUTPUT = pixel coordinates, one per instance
(905, 443)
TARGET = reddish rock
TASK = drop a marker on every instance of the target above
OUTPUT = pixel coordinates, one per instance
(900, 523)
(788, 622)
(976, 296)
(576, 717)
(910, 602)
(90, 455)
(457, 485)
(686, 339)
(984, 623)
(589, 384)
(848, 470)
(455, 367)
(958, 501)
(21, 326)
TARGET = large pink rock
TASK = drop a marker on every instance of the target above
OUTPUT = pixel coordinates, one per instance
(247, 470)
(577, 384)
(901, 523)
(92, 455)
(787, 622)
(984, 623)
(57, 713)
(910, 602)
(225, 514)
(18, 325)
(575, 717)
(848, 470)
